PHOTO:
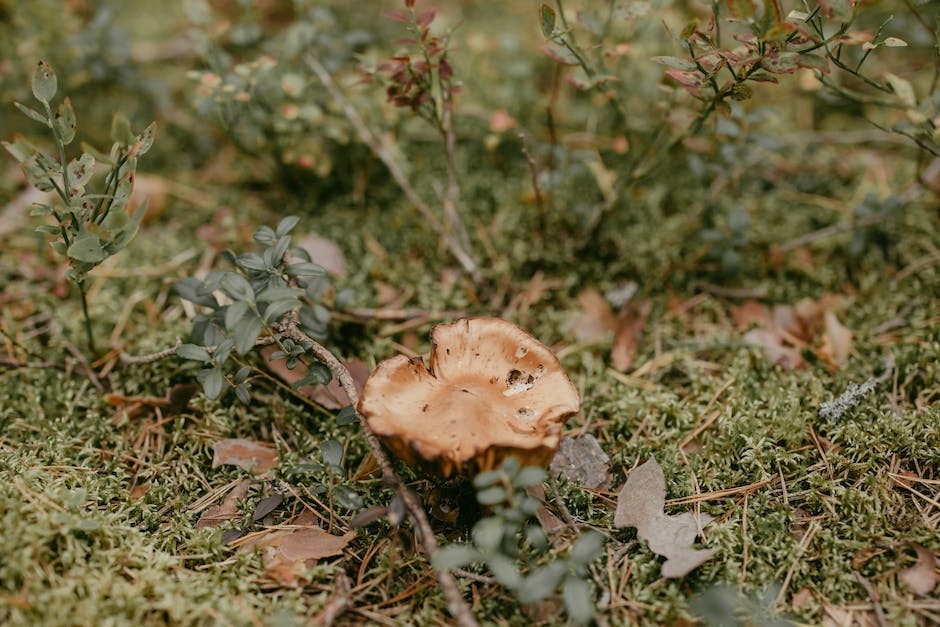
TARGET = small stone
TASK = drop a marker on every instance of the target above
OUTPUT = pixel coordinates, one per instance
(581, 460)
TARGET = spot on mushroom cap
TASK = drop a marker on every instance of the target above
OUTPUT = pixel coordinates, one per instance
(492, 391)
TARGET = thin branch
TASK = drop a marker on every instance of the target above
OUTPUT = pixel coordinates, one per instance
(152, 357)
(381, 151)
(455, 601)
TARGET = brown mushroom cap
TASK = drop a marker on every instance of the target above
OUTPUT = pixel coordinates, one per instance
(492, 391)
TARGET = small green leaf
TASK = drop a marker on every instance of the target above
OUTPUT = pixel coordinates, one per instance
(486, 479)
(331, 452)
(121, 130)
(541, 582)
(87, 248)
(265, 236)
(347, 497)
(146, 138)
(193, 352)
(237, 287)
(44, 82)
(271, 294)
(20, 148)
(319, 373)
(242, 393)
(491, 496)
(32, 114)
(48, 229)
(212, 382)
(286, 225)
(251, 261)
(578, 600)
(64, 122)
(504, 571)
(487, 534)
(454, 556)
(529, 476)
(547, 20)
(234, 313)
(81, 170)
(346, 416)
(280, 248)
(276, 310)
(191, 289)
(245, 333)
(587, 548)
(306, 269)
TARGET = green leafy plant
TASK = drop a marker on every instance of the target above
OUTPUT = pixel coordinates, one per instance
(276, 286)
(513, 547)
(89, 227)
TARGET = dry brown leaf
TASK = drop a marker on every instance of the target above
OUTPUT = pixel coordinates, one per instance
(629, 331)
(836, 340)
(254, 456)
(921, 578)
(226, 510)
(641, 503)
(801, 598)
(287, 554)
(330, 396)
(750, 313)
(325, 253)
(595, 320)
(582, 461)
(775, 350)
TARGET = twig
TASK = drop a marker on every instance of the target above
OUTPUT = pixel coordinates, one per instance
(152, 357)
(834, 229)
(11, 363)
(533, 173)
(338, 603)
(77, 354)
(873, 595)
(400, 314)
(455, 601)
(381, 151)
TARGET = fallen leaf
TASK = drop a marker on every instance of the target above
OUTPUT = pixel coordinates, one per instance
(801, 598)
(581, 460)
(751, 313)
(775, 350)
(903, 478)
(325, 253)
(265, 506)
(921, 578)
(595, 320)
(630, 327)
(641, 503)
(254, 456)
(288, 554)
(836, 341)
(226, 510)
(330, 396)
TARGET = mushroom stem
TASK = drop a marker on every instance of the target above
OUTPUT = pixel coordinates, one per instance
(455, 601)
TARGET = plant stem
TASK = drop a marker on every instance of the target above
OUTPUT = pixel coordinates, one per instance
(88, 334)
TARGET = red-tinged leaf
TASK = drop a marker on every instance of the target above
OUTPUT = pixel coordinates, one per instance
(781, 63)
(675, 63)
(254, 456)
(227, 510)
(855, 38)
(838, 10)
(742, 9)
(398, 16)
(763, 77)
(779, 32)
(813, 62)
(559, 54)
(690, 81)
(426, 18)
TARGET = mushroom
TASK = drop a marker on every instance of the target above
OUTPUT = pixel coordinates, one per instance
(492, 391)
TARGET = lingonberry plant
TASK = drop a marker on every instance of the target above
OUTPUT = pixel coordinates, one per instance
(266, 292)
(89, 227)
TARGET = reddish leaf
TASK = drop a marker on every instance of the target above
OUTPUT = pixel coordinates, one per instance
(595, 320)
(254, 456)
(629, 331)
(226, 510)
(325, 253)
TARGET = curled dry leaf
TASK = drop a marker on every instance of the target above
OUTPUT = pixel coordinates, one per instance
(225, 511)
(254, 456)
(325, 253)
(581, 460)
(630, 327)
(921, 578)
(288, 554)
(836, 341)
(595, 320)
(641, 503)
